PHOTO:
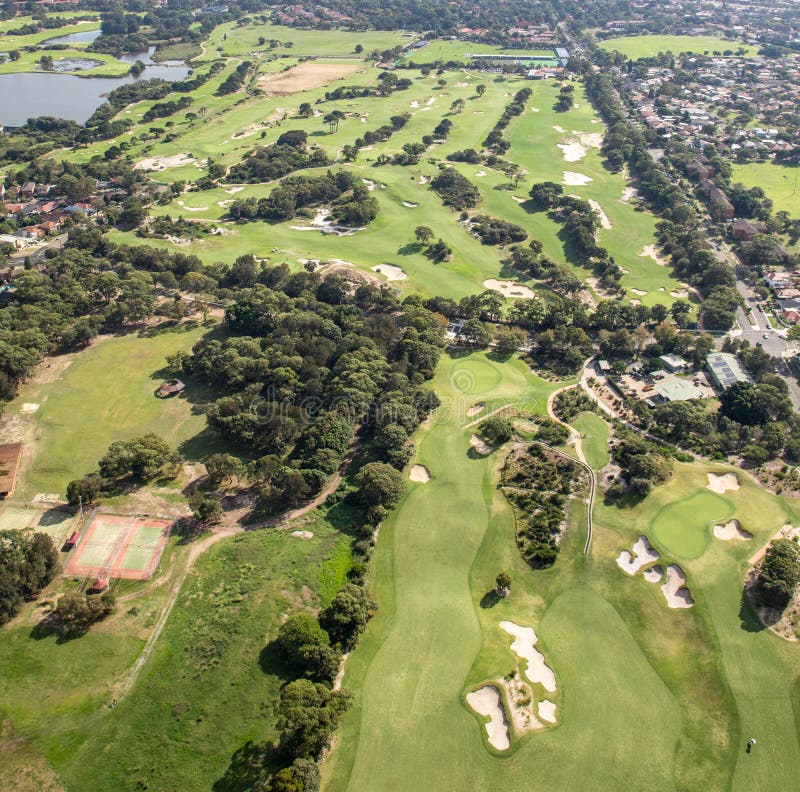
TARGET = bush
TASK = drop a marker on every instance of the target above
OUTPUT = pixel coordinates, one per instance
(306, 648)
(28, 562)
(779, 573)
(496, 430)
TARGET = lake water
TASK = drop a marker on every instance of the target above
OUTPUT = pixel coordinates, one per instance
(30, 94)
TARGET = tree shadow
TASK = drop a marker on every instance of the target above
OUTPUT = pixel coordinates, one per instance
(409, 249)
(169, 326)
(747, 615)
(47, 629)
(473, 453)
(54, 517)
(489, 599)
(249, 765)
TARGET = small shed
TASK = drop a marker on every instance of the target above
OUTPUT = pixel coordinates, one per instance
(74, 538)
(100, 585)
(10, 455)
(170, 387)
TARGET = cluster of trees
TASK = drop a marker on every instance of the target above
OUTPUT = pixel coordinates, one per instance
(539, 484)
(76, 612)
(234, 81)
(28, 562)
(565, 98)
(455, 190)
(779, 574)
(495, 141)
(388, 83)
(492, 231)
(271, 162)
(164, 109)
(382, 133)
(643, 464)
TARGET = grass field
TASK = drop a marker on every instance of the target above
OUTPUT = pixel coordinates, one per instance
(594, 432)
(779, 182)
(636, 47)
(104, 394)
(621, 657)
(462, 51)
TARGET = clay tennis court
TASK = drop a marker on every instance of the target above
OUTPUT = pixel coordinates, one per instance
(119, 546)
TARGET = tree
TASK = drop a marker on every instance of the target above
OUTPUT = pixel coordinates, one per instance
(480, 89)
(423, 234)
(347, 616)
(332, 119)
(223, 467)
(28, 562)
(305, 110)
(779, 573)
(306, 648)
(506, 342)
(475, 333)
(358, 49)
(76, 612)
(308, 715)
(740, 402)
(497, 430)
(208, 511)
(503, 582)
(457, 106)
(142, 458)
(85, 490)
(379, 484)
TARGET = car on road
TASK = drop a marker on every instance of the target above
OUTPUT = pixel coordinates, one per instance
(766, 335)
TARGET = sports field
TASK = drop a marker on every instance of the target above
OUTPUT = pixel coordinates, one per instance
(118, 546)
(780, 183)
(636, 47)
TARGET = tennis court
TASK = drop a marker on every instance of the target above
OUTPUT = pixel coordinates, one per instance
(119, 546)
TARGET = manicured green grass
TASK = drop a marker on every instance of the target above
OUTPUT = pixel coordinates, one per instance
(463, 51)
(594, 432)
(621, 658)
(779, 182)
(636, 47)
(29, 62)
(8, 43)
(684, 527)
(105, 394)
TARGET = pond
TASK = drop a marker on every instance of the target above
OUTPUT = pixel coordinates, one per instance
(83, 37)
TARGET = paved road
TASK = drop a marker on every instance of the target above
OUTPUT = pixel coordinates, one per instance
(17, 260)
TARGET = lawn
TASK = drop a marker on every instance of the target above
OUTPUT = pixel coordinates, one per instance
(462, 51)
(780, 183)
(104, 394)
(684, 527)
(636, 47)
(594, 433)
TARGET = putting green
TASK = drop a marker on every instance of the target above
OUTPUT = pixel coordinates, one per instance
(684, 527)
(474, 377)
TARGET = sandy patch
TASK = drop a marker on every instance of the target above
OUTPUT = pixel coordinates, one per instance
(559, 129)
(462, 85)
(321, 222)
(524, 646)
(226, 203)
(634, 301)
(480, 173)
(234, 190)
(363, 120)
(475, 409)
(590, 139)
(509, 288)
(627, 194)
(638, 292)
(643, 554)
(410, 205)
(730, 531)
(572, 179)
(572, 150)
(423, 179)
(674, 590)
(654, 574)
(390, 272)
(486, 702)
(518, 199)
(535, 110)
(650, 251)
(370, 184)
(303, 534)
(420, 474)
(414, 104)
(195, 208)
(479, 444)
(679, 294)
(29, 407)
(305, 76)
(604, 221)
(161, 163)
(722, 482)
(547, 711)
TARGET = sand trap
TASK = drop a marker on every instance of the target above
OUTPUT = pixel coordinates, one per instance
(410, 205)
(649, 251)
(420, 474)
(195, 208)
(509, 288)
(486, 702)
(675, 593)
(29, 407)
(370, 184)
(303, 534)
(480, 173)
(604, 221)
(590, 139)
(414, 104)
(226, 203)
(634, 301)
(638, 292)
(627, 194)
(535, 110)
(643, 554)
(363, 120)
(559, 129)
(722, 482)
(572, 179)
(547, 711)
(390, 272)
(731, 531)
(572, 150)
(423, 179)
(234, 190)
(518, 199)
(680, 294)
(524, 646)
(161, 163)
(475, 409)
(479, 444)
(305, 76)
(654, 574)
(322, 223)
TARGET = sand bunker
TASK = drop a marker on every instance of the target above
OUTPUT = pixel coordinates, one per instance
(679, 293)
(572, 179)
(480, 445)
(649, 251)
(518, 199)
(731, 531)
(29, 407)
(390, 272)
(604, 221)
(161, 163)
(486, 702)
(370, 184)
(303, 534)
(722, 482)
(572, 150)
(547, 711)
(420, 474)
(321, 222)
(675, 593)
(509, 288)
(475, 409)
(627, 194)
(524, 646)
(480, 173)
(423, 179)
(559, 129)
(410, 205)
(643, 554)
(638, 292)
(305, 76)
(234, 190)
(654, 574)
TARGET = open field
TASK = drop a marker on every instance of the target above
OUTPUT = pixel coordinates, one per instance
(97, 396)
(462, 51)
(8, 43)
(636, 47)
(304, 76)
(780, 183)
(594, 432)
(108, 65)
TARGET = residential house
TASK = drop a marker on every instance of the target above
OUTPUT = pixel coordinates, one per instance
(745, 230)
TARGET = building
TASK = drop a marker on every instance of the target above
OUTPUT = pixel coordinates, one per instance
(74, 538)
(726, 370)
(10, 454)
(170, 387)
(674, 363)
(745, 230)
(777, 280)
(677, 390)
